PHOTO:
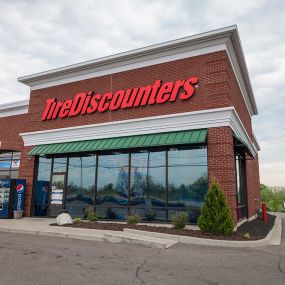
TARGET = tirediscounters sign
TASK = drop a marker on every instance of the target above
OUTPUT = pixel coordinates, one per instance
(91, 102)
(19, 196)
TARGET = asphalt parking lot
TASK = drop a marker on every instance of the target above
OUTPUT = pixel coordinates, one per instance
(29, 259)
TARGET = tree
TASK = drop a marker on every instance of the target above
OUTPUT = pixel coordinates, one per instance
(122, 182)
(216, 217)
(139, 184)
(274, 201)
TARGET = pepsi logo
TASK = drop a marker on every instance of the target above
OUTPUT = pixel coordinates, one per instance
(20, 188)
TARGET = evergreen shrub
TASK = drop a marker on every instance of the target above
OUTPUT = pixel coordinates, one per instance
(216, 217)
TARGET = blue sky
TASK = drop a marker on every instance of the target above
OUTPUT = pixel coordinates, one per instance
(40, 35)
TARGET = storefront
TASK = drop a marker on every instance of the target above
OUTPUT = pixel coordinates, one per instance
(139, 132)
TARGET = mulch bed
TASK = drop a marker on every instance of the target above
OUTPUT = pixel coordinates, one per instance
(256, 229)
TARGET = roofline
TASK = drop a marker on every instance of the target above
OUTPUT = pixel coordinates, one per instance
(244, 69)
(255, 142)
(14, 108)
(132, 53)
(56, 76)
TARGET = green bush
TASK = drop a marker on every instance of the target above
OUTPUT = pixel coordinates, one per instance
(77, 220)
(179, 220)
(90, 215)
(274, 201)
(133, 219)
(216, 217)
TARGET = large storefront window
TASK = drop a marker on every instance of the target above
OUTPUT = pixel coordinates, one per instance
(153, 183)
(148, 191)
(112, 185)
(187, 180)
(9, 164)
(80, 192)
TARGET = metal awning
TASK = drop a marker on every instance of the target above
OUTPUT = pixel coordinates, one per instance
(138, 141)
(241, 146)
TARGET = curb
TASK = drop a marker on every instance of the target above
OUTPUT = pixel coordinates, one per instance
(273, 238)
(56, 234)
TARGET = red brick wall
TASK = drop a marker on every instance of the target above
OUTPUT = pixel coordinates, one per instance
(253, 186)
(27, 172)
(213, 91)
(221, 162)
(10, 128)
(252, 166)
(237, 101)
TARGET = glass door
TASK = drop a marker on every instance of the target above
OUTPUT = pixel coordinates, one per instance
(57, 193)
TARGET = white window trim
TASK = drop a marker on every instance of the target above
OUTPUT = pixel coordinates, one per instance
(211, 118)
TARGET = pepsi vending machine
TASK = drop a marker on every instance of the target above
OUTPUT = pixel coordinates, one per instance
(12, 196)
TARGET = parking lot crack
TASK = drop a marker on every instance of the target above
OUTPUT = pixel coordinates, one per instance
(282, 270)
(138, 269)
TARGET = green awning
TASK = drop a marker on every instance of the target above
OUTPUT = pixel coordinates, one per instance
(141, 141)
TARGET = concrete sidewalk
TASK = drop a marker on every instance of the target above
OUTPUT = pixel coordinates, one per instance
(41, 226)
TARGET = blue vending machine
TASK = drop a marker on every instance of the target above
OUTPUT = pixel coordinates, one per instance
(12, 196)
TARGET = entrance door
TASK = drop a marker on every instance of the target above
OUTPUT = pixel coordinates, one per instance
(57, 193)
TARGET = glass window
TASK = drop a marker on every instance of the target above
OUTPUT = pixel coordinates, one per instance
(14, 174)
(41, 192)
(59, 164)
(5, 164)
(9, 165)
(238, 178)
(80, 190)
(241, 192)
(187, 180)
(4, 174)
(148, 191)
(6, 155)
(112, 185)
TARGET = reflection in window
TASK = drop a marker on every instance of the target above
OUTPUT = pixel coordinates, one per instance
(148, 191)
(143, 191)
(59, 164)
(112, 185)
(41, 192)
(187, 180)
(81, 184)
(241, 187)
(9, 164)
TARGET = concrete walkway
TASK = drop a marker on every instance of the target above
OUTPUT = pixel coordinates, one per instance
(41, 226)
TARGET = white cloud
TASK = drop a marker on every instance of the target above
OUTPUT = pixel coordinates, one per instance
(40, 35)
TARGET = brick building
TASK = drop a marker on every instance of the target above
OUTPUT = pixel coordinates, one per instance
(140, 132)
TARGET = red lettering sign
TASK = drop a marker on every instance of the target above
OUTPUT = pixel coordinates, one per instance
(91, 102)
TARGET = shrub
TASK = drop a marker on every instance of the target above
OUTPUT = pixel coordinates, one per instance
(180, 220)
(216, 217)
(77, 220)
(90, 215)
(133, 219)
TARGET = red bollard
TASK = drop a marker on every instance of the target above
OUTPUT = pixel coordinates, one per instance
(264, 213)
